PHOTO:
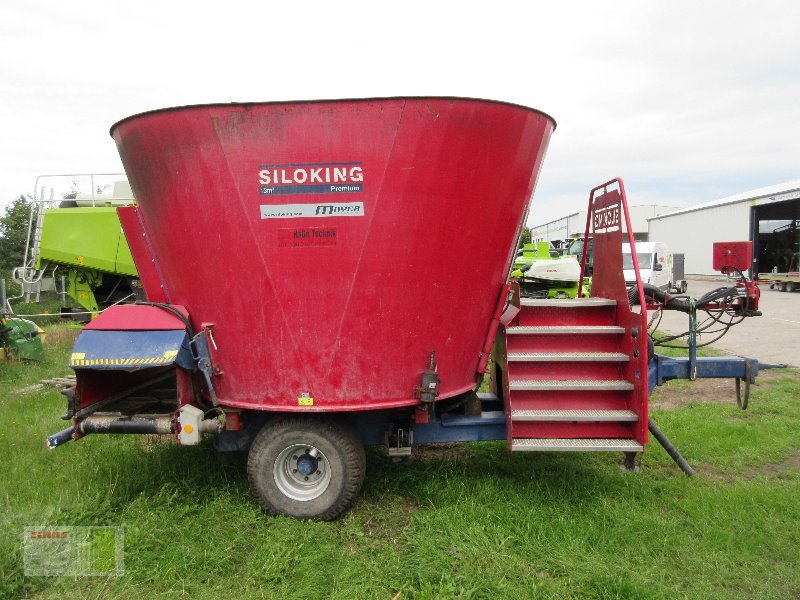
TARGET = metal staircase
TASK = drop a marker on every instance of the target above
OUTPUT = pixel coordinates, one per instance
(575, 371)
(575, 395)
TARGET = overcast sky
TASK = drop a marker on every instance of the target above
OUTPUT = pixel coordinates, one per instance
(687, 101)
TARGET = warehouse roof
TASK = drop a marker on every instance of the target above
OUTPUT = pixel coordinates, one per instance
(787, 188)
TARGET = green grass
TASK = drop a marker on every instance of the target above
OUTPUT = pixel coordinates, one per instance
(471, 523)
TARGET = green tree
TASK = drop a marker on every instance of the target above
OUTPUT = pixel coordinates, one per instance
(13, 231)
(526, 235)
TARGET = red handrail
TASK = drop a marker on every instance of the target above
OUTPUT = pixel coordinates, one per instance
(641, 340)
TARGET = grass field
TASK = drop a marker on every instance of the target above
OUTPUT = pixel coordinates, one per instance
(458, 521)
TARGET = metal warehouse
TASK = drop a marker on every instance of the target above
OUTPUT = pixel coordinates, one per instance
(572, 226)
(767, 216)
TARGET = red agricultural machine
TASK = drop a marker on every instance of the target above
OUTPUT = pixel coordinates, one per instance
(323, 276)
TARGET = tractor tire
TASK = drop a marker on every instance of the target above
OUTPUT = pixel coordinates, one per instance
(790, 286)
(306, 467)
(782, 286)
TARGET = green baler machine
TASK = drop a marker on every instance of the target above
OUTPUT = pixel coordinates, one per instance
(89, 248)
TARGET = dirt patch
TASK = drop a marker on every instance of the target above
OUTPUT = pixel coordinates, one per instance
(790, 464)
(386, 520)
(447, 451)
(396, 514)
(675, 394)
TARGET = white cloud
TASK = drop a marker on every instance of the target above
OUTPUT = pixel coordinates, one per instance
(687, 101)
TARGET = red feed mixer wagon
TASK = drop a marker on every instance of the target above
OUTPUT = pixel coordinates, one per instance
(327, 275)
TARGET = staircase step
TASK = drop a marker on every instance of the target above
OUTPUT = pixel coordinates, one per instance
(565, 330)
(584, 312)
(570, 384)
(570, 400)
(574, 415)
(563, 343)
(549, 370)
(568, 357)
(565, 303)
(575, 445)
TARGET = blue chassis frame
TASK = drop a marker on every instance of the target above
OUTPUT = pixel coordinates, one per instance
(490, 425)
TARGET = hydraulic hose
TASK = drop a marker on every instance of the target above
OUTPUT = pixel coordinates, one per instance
(171, 309)
(679, 303)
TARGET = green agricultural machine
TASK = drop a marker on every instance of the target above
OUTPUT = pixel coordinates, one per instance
(20, 338)
(543, 273)
(76, 241)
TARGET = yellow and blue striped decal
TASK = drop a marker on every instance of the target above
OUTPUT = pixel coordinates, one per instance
(130, 350)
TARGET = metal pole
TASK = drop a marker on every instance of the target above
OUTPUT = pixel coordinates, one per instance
(692, 340)
(30, 226)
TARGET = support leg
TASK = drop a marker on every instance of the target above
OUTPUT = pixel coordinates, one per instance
(671, 450)
(629, 464)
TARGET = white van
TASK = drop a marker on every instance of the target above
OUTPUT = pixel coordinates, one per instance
(655, 264)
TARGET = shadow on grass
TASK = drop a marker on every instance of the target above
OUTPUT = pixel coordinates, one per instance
(488, 471)
(114, 474)
(165, 473)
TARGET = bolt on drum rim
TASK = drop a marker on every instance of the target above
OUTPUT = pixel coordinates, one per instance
(302, 472)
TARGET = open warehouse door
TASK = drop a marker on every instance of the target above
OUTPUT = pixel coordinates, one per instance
(776, 243)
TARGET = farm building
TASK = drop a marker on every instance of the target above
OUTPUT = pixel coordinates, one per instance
(573, 226)
(767, 216)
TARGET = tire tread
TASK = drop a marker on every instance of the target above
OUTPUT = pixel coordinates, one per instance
(339, 432)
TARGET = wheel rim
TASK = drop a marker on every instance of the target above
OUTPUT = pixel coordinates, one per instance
(302, 472)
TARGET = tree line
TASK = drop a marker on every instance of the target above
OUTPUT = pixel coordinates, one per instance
(13, 231)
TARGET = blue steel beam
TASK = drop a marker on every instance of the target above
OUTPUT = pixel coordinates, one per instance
(664, 368)
(489, 425)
